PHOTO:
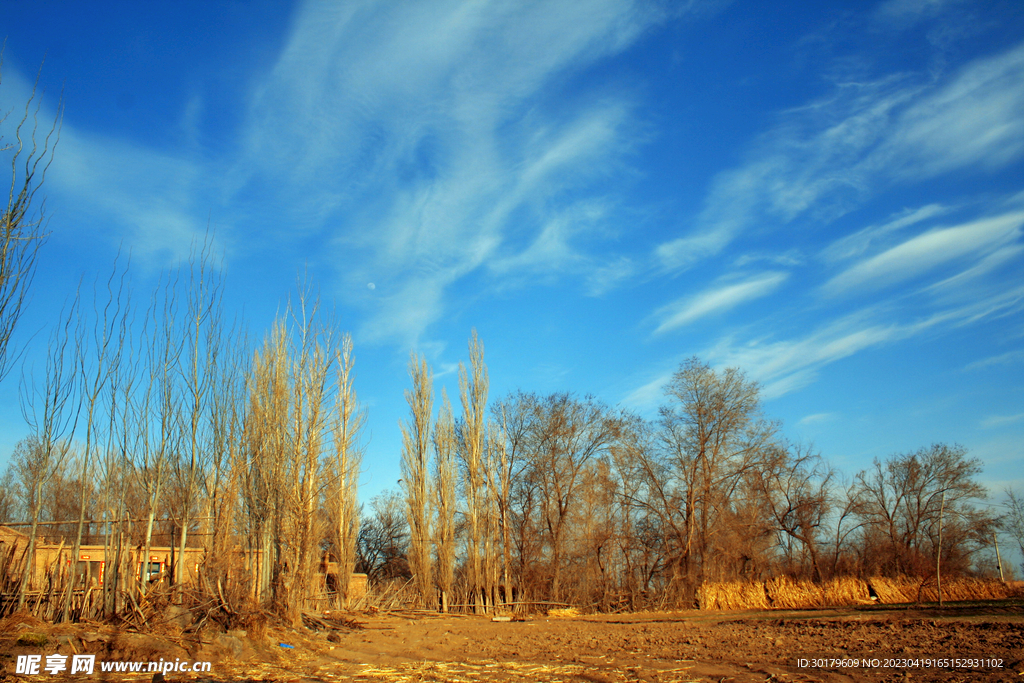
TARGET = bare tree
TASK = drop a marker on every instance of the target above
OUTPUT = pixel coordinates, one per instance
(201, 346)
(311, 365)
(596, 562)
(266, 443)
(445, 446)
(642, 538)
(384, 539)
(109, 337)
(22, 233)
(569, 434)
(513, 415)
(154, 411)
(52, 412)
(416, 475)
(796, 489)
(902, 498)
(10, 502)
(23, 222)
(283, 478)
(527, 532)
(712, 435)
(847, 521)
(349, 420)
(473, 390)
(1014, 519)
(221, 485)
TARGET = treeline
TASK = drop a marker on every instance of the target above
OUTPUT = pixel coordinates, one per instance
(175, 430)
(562, 499)
(159, 422)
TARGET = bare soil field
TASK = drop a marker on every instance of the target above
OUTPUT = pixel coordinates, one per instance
(961, 642)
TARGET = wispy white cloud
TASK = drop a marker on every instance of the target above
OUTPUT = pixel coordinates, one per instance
(975, 120)
(157, 202)
(608, 275)
(733, 202)
(445, 369)
(1000, 420)
(905, 12)
(816, 418)
(412, 305)
(788, 259)
(852, 246)
(552, 249)
(153, 200)
(785, 365)
(716, 300)
(813, 154)
(926, 251)
(829, 156)
(426, 144)
(648, 396)
(420, 144)
(1002, 359)
(549, 375)
(957, 286)
(1002, 454)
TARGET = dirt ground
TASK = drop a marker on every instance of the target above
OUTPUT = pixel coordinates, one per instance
(978, 641)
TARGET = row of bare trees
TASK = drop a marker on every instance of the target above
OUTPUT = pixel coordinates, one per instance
(255, 455)
(149, 416)
(565, 500)
(160, 420)
(153, 417)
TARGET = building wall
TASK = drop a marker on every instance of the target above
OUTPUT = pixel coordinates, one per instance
(50, 558)
(92, 566)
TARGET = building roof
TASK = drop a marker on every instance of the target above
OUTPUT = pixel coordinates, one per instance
(8, 534)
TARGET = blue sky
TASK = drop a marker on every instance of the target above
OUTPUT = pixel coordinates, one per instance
(827, 195)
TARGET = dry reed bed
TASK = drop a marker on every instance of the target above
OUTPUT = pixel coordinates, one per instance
(906, 589)
(785, 593)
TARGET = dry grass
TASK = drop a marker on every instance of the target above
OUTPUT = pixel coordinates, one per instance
(732, 595)
(890, 591)
(563, 612)
(975, 589)
(786, 593)
(20, 621)
(906, 589)
(846, 590)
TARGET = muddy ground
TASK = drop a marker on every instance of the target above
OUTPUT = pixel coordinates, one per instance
(870, 644)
